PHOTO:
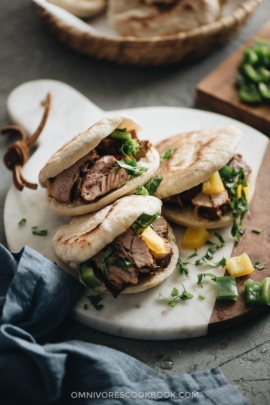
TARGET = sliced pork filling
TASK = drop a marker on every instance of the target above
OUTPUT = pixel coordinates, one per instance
(94, 175)
(209, 206)
(130, 247)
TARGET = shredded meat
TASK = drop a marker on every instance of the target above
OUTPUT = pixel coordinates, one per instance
(93, 176)
(165, 261)
(237, 162)
(62, 184)
(161, 227)
(103, 165)
(120, 276)
(211, 206)
(98, 184)
(130, 247)
(144, 148)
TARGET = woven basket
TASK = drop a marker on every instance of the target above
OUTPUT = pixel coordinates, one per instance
(153, 51)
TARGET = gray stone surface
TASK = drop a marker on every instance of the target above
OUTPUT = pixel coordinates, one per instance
(29, 52)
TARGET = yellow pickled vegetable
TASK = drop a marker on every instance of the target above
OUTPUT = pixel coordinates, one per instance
(213, 184)
(239, 265)
(246, 190)
(194, 237)
(154, 242)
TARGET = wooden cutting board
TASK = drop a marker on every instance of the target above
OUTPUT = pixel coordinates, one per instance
(143, 315)
(217, 91)
(227, 314)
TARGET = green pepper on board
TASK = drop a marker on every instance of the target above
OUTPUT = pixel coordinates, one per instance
(253, 78)
(257, 293)
(264, 90)
(226, 288)
(249, 94)
(250, 56)
(251, 73)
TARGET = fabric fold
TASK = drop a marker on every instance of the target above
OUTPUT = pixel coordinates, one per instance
(36, 296)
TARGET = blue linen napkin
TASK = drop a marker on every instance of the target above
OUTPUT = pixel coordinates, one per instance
(35, 297)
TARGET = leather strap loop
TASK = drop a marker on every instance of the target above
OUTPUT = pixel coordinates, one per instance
(18, 152)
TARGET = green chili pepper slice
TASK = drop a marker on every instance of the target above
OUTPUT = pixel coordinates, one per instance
(264, 73)
(264, 91)
(226, 288)
(88, 276)
(251, 56)
(251, 73)
(257, 293)
(249, 94)
(121, 134)
(265, 291)
(262, 52)
(253, 80)
(252, 292)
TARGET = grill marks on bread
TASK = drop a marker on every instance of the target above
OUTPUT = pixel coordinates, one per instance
(196, 156)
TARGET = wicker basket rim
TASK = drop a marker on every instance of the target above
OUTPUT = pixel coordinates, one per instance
(247, 7)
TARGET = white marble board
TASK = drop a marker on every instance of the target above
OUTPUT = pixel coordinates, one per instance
(139, 316)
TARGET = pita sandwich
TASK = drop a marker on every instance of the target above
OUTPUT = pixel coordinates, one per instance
(144, 18)
(98, 166)
(81, 8)
(116, 250)
(192, 190)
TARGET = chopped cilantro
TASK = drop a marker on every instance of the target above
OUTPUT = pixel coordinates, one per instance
(150, 187)
(123, 264)
(95, 300)
(193, 254)
(256, 230)
(102, 261)
(130, 147)
(221, 263)
(22, 221)
(220, 238)
(133, 170)
(208, 242)
(203, 275)
(208, 256)
(167, 154)
(42, 232)
(153, 184)
(177, 296)
(182, 267)
(143, 222)
(202, 297)
(259, 266)
(141, 191)
(232, 179)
